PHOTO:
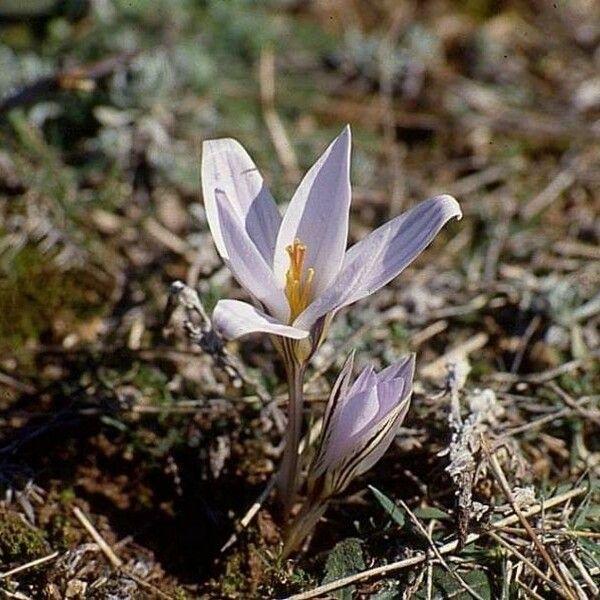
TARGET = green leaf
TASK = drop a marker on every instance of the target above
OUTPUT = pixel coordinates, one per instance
(395, 512)
(427, 513)
(345, 559)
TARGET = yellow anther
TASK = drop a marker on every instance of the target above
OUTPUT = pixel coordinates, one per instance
(298, 288)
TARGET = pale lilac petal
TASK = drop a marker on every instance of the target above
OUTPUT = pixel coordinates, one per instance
(365, 380)
(339, 392)
(389, 394)
(388, 433)
(245, 261)
(404, 368)
(382, 255)
(338, 395)
(365, 425)
(318, 215)
(227, 166)
(357, 414)
(232, 319)
(366, 447)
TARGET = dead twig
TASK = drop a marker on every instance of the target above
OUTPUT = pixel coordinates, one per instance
(29, 565)
(76, 78)
(531, 329)
(500, 540)
(113, 559)
(199, 329)
(250, 514)
(559, 414)
(544, 376)
(438, 366)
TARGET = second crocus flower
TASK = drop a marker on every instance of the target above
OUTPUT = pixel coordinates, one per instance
(360, 422)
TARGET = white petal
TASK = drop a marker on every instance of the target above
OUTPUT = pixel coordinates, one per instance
(318, 215)
(232, 319)
(245, 261)
(227, 166)
(382, 255)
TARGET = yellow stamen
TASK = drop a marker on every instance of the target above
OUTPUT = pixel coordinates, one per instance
(298, 289)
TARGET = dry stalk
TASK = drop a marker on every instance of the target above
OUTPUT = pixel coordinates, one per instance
(465, 443)
(113, 559)
(500, 540)
(283, 147)
(250, 513)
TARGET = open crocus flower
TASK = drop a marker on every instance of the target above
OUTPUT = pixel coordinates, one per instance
(359, 424)
(296, 267)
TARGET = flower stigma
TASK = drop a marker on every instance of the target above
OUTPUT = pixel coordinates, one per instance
(297, 288)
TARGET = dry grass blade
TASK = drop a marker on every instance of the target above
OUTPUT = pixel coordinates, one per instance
(437, 553)
(550, 373)
(527, 562)
(114, 560)
(501, 478)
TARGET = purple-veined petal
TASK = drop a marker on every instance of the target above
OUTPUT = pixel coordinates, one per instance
(387, 434)
(356, 414)
(367, 447)
(232, 319)
(318, 216)
(245, 261)
(382, 255)
(339, 392)
(338, 395)
(393, 383)
(227, 166)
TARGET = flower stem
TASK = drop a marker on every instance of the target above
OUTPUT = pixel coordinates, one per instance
(288, 472)
(303, 524)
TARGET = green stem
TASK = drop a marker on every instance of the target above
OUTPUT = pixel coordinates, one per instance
(303, 524)
(288, 472)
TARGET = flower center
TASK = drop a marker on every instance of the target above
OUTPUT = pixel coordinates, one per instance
(298, 287)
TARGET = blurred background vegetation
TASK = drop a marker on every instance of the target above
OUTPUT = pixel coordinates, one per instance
(104, 105)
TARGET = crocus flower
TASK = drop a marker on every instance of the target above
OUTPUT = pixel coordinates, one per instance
(296, 267)
(359, 424)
